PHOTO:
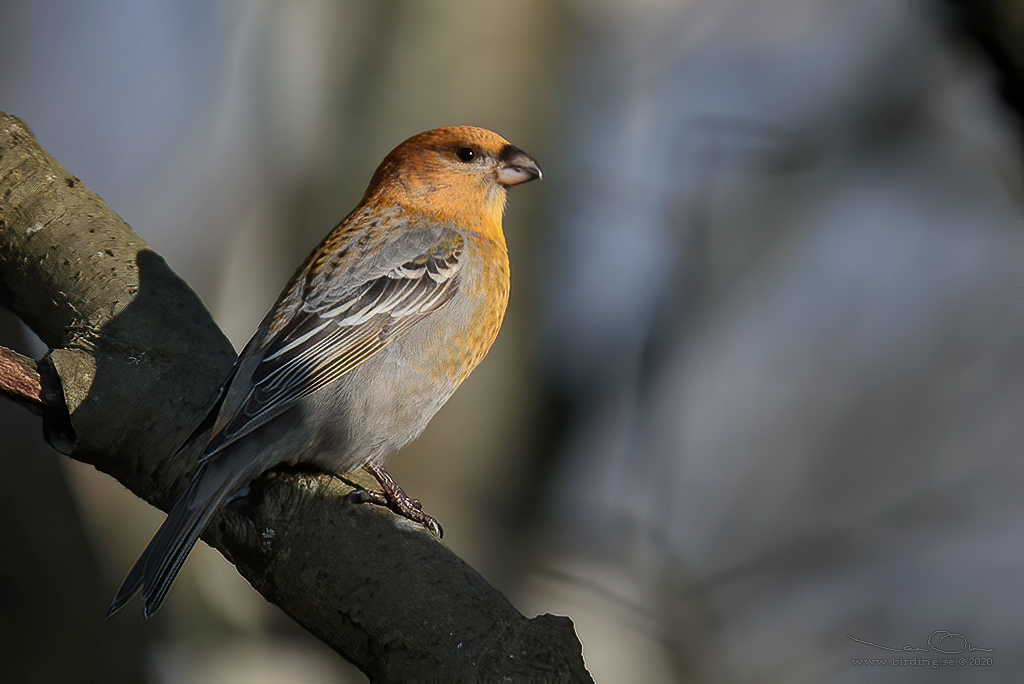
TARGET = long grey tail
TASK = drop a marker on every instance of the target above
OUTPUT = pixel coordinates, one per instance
(155, 570)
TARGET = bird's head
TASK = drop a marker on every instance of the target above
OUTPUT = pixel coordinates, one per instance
(457, 174)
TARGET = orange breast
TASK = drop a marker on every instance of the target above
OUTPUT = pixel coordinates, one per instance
(472, 345)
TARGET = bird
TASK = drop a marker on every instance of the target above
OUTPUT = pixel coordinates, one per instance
(368, 339)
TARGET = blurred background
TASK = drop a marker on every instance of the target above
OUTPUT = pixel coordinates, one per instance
(759, 397)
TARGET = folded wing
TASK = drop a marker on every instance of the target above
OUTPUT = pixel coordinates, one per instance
(329, 336)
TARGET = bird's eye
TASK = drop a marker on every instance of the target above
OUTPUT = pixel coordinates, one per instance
(466, 154)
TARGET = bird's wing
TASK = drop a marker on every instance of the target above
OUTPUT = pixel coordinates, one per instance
(337, 328)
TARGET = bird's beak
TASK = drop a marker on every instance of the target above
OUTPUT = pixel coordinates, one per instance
(515, 167)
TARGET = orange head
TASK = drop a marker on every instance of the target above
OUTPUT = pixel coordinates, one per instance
(457, 174)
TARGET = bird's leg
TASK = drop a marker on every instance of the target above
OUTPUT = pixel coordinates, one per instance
(395, 498)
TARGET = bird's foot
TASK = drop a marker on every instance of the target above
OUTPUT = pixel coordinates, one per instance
(394, 497)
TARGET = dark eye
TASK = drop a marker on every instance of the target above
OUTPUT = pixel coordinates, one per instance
(466, 154)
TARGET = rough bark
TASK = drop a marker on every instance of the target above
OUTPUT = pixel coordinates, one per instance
(19, 379)
(134, 360)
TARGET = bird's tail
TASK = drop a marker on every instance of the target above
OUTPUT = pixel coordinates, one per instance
(155, 570)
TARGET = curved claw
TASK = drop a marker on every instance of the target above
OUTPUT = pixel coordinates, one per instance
(394, 497)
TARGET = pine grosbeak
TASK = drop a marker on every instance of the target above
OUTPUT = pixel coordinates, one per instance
(373, 333)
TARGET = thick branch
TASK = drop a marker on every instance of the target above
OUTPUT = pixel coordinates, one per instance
(136, 358)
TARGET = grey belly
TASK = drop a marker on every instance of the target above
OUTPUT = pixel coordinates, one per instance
(378, 407)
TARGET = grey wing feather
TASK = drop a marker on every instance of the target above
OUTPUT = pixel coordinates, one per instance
(332, 334)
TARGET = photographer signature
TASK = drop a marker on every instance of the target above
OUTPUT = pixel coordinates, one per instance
(954, 643)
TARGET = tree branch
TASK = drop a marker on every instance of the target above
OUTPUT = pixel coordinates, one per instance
(19, 380)
(134, 360)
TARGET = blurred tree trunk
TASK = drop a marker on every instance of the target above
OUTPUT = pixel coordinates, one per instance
(996, 30)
